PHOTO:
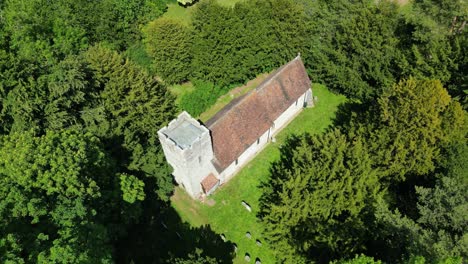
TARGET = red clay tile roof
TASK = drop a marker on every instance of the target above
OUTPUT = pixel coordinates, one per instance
(239, 124)
(209, 182)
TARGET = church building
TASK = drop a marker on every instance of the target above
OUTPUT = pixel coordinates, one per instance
(204, 156)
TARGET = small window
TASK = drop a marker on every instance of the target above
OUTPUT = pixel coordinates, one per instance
(258, 141)
(297, 101)
(237, 162)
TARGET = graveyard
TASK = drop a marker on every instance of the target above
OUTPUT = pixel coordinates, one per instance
(231, 211)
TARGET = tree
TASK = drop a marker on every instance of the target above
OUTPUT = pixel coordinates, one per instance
(425, 49)
(233, 45)
(409, 126)
(54, 197)
(169, 43)
(353, 46)
(438, 234)
(359, 259)
(319, 193)
(135, 106)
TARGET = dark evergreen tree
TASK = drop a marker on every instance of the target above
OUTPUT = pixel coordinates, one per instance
(353, 46)
(135, 106)
(409, 126)
(169, 43)
(318, 196)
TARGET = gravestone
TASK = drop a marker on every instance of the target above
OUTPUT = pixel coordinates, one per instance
(223, 237)
(257, 261)
(248, 235)
(258, 243)
(235, 247)
(247, 206)
(247, 257)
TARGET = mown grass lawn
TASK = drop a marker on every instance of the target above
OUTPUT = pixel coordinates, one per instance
(227, 216)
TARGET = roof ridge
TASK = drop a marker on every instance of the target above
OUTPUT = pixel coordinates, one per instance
(272, 76)
(276, 73)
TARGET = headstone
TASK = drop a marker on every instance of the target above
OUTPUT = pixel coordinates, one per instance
(247, 257)
(235, 247)
(164, 225)
(257, 261)
(223, 237)
(258, 243)
(247, 206)
(248, 235)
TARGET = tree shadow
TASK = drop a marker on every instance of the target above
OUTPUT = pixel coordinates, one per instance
(162, 236)
(348, 112)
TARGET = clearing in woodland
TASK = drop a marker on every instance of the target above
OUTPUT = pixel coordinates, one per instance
(225, 214)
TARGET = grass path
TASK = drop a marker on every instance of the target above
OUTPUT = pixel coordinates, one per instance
(227, 216)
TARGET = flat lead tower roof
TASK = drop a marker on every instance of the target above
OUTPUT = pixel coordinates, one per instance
(184, 133)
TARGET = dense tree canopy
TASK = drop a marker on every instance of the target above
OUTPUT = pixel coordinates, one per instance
(410, 124)
(319, 191)
(169, 42)
(83, 178)
(55, 190)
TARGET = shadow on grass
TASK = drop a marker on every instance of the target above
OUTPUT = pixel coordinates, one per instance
(162, 238)
(347, 112)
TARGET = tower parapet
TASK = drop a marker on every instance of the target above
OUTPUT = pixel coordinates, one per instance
(188, 149)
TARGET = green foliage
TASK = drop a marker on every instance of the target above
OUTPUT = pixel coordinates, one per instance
(200, 99)
(138, 106)
(169, 43)
(438, 235)
(233, 45)
(444, 218)
(353, 46)
(426, 49)
(43, 31)
(317, 197)
(407, 129)
(458, 85)
(448, 13)
(358, 259)
(53, 189)
(132, 188)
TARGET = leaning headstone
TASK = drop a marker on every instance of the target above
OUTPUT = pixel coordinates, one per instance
(235, 247)
(247, 206)
(248, 235)
(257, 261)
(247, 257)
(258, 243)
(223, 237)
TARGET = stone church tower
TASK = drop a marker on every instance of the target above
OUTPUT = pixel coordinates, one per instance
(187, 147)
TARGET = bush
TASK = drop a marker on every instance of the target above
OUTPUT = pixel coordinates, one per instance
(169, 43)
(199, 100)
